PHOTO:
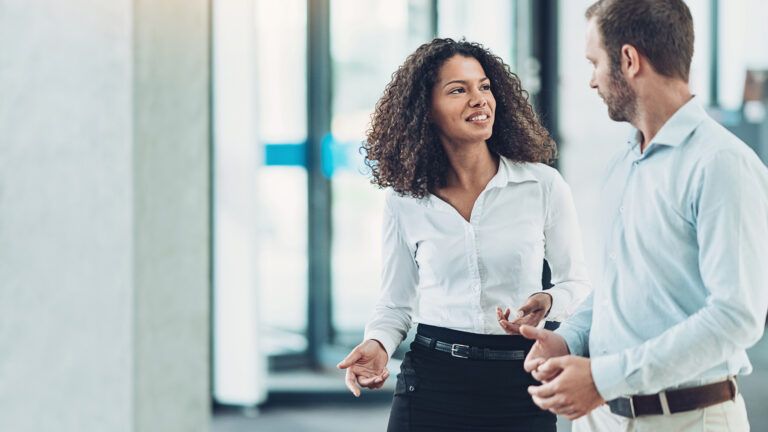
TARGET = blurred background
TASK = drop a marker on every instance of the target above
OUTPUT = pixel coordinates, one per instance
(189, 240)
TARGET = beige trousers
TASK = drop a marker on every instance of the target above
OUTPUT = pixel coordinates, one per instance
(728, 416)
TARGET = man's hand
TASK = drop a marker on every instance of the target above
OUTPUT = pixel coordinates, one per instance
(548, 344)
(531, 313)
(366, 365)
(572, 393)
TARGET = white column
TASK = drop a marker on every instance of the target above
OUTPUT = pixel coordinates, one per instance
(171, 227)
(239, 364)
(104, 231)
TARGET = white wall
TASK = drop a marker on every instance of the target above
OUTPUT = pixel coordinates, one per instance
(589, 138)
(103, 216)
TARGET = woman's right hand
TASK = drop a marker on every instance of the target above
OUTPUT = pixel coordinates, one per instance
(366, 366)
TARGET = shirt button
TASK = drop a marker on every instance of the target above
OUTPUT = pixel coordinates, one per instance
(411, 388)
(621, 209)
(636, 163)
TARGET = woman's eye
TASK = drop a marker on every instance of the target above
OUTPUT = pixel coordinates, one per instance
(456, 91)
(486, 87)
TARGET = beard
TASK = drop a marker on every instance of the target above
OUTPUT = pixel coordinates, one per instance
(621, 99)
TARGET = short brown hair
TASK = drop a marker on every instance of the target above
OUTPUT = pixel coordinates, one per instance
(403, 150)
(661, 30)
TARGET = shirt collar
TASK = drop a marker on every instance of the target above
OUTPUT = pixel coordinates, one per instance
(511, 172)
(677, 128)
(508, 172)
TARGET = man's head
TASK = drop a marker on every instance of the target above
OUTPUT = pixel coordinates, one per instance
(621, 32)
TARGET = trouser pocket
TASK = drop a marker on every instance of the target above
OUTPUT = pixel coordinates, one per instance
(407, 384)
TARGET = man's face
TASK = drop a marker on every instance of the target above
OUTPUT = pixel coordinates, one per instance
(609, 82)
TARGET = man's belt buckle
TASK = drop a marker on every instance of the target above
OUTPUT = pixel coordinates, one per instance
(623, 406)
(460, 351)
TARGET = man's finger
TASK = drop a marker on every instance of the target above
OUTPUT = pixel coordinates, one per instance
(547, 403)
(557, 406)
(544, 376)
(538, 401)
(351, 381)
(542, 391)
(555, 363)
(533, 333)
(531, 364)
(553, 404)
(569, 412)
(350, 359)
(574, 415)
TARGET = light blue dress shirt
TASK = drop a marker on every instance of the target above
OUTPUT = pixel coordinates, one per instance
(683, 288)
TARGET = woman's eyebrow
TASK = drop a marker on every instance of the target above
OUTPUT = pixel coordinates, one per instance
(463, 81)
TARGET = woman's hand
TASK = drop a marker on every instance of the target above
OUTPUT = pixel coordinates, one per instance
(531, 313)
(366, 366)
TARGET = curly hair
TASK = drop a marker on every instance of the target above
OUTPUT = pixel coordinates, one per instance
(402, 147)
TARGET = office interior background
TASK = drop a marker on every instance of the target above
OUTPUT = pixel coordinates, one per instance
(189, 240)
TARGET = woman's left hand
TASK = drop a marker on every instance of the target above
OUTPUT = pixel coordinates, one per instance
(531, 313)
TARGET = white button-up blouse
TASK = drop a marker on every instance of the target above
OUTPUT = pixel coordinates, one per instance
(442, 270)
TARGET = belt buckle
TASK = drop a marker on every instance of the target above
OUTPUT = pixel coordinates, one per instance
(735, 385)
(455, 351)
(623, 406)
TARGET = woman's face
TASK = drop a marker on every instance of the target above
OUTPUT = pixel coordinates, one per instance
(462, 102)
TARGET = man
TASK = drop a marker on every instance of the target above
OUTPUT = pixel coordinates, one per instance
(683, 289)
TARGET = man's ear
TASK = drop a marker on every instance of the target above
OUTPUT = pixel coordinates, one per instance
(630, 61)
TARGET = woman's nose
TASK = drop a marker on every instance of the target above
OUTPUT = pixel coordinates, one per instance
(478, 100)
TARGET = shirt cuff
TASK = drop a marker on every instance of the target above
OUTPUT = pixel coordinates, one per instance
(608, 375)
(389, 341)
(560, 300)
(576, 343)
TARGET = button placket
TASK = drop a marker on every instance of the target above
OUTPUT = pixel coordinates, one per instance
(474, 274)
(618, 229)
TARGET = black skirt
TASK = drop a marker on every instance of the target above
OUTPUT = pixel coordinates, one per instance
(438, 392)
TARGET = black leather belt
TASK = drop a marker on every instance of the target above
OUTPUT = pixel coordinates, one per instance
(469, 352)
(675, 401)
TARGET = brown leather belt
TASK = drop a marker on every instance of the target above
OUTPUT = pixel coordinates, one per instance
(675, 401)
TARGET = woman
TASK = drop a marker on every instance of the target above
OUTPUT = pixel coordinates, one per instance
(471, 213)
